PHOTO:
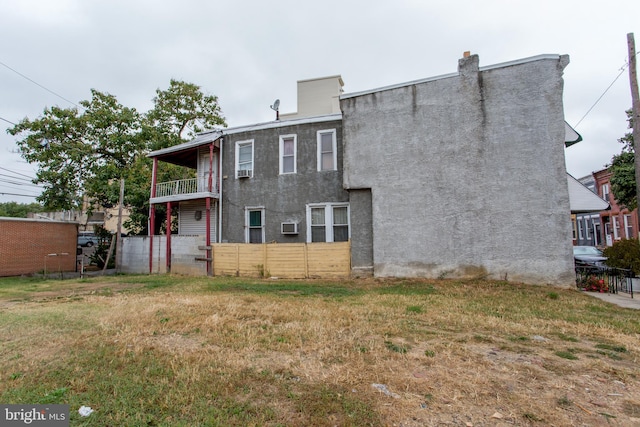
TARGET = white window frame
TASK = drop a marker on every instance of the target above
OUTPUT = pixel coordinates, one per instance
(328, 219)
(587, 228)
(628, 227)
(295, 153)
(334, 148)
(574, 224)
(240, 144)
(247, 218)
(605, 192)
(580, 233)
(616, 228)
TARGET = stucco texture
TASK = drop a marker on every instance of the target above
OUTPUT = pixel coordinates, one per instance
(467, 173)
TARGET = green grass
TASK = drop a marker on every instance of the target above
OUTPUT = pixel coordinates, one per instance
(228, 351)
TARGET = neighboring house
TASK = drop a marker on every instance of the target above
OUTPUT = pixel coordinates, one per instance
(617, 223)
(281, 180)
(587, 226)
(428, 178)
(100, 217)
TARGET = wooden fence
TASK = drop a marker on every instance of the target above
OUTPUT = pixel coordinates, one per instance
(283, 260)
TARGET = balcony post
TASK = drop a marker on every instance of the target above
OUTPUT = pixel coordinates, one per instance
(168, 237)
(210, 181)
(208, 238)
(152, 213)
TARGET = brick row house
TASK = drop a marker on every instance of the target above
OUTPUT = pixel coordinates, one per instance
(425, 179)
(617, 223)
(604, 227)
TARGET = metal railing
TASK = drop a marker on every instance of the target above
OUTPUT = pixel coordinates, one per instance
(181, 186)
(604, 279)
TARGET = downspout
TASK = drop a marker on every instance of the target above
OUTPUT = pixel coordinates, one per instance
(168, 237)
(220, 190)
(208, 203)
(152, 212)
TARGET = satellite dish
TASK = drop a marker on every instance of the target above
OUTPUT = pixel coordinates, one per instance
(276, 105)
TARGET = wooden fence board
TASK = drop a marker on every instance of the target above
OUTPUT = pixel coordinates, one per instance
(285, 260)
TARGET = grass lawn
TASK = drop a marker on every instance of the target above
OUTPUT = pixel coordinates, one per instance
(178, 351)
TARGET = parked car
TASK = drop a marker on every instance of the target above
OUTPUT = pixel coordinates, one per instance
(588, 256)
(87, 239)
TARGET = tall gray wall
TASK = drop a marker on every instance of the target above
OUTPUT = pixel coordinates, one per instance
(467, 173)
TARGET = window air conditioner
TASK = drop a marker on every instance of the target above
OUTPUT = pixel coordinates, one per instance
(289, 227)
(244, 173)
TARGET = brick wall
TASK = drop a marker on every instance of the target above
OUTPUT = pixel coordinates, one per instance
(28, 246)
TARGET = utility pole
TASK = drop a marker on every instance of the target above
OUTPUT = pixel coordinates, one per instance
(119, 229)
(635, 116)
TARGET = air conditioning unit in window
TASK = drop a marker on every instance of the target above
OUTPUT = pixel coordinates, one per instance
(245, 173)
(289, 227)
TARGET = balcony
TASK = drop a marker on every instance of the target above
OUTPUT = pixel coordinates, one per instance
(183, 189)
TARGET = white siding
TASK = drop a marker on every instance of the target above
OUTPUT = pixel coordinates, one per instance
(203, 168)
(189, 225)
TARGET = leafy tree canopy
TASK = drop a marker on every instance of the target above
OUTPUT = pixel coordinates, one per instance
(623, 179)
(19, 210)
(81, 155)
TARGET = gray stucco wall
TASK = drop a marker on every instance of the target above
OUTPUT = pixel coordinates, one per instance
(361, 233)
(467, 173)
(284, 197)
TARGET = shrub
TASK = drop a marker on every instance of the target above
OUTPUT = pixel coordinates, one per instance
(624, 254)
(593, 284)
(101, 250)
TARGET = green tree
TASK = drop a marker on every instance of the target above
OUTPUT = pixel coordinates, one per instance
(180, 112)
(73, 150)
(84, 154)
(623, 178)
(19, 210)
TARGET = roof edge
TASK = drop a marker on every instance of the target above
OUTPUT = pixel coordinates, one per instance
(552, 56)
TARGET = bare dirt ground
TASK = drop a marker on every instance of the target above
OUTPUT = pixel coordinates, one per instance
(72, 290)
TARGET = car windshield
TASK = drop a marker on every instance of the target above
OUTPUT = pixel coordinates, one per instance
(586, 250)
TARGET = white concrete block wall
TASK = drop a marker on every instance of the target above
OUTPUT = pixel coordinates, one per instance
(184, 251)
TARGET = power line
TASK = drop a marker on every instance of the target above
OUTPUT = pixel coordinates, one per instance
(8, 121)
(17, 173)
(622, 70)
(38, 84)
(16, 194)
(14, 181)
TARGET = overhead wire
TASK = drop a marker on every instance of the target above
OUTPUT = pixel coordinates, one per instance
(38, 84)
(8, 121)
(622, 70)
(17, 173)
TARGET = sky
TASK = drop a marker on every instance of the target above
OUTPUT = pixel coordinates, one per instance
(251, 52)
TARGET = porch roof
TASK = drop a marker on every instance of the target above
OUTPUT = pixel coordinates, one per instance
(186, 154)
(583, 200)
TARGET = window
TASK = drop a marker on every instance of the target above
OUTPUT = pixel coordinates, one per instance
(327, 150)
(616, 228)
(575, 232)
(605, 192)
(580, 234)
(254, 225)
(328, 222)
(587, 228)
(628, 227)
(244, 158)
(288, 154)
